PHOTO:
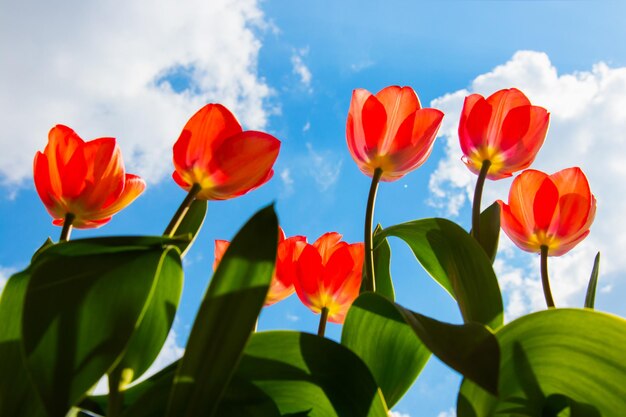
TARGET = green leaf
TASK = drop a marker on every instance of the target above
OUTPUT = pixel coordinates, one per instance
(490, 230)
(148, 338)
(376, 331)
(303, 375)
(191, 223)
(458, 263)
(17, 394)
(590, 299)
(470, 348)
(574, 353)
(84, 300)
(226, 318)
(382, 263)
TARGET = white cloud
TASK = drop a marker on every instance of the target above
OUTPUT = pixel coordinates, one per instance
(325, 167)
(449, 413)
(170, 352)
(306, 127)
(586, 129)
(361, 65)
(292, 317)
(300, 68)
(129, 70)
(287, 180)
(5, 273)
(397, 414)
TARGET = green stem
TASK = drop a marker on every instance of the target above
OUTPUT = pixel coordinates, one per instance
(171, 228)
(478, 195)
(116, 397)
(67, 227)
(323, 319)
(544, 276)
(370, 282)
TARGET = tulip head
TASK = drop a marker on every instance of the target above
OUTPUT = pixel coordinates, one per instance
(390, 131)
(329, 275)
(555, 210)
(289, 250)
(85, 179)
(504, 129)
(225, 161)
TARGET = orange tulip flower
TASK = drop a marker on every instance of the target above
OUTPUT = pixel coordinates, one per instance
(554, 211)
(504, 129)
(221, 159)
(287, 255)
(329, 275)
(390, 131)
(85, 180)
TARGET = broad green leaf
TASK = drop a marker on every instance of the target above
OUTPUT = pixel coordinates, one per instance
(148, 338)
(84, 300)
(303, 375)
(191, 224)
(376, 331)
(470, 348)
(490, 230)
(17, 394)
(458, 263)
(590, 299)
(576, 355)
(226, 318)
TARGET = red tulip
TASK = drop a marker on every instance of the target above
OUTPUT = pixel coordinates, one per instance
(555, 210)
(288, 252)
(329, 275)
(390, 131)
(85, 179)
(222, 159)
(504, 129)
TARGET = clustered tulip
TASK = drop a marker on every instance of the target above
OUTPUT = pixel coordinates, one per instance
(83, 182)
(287, 255)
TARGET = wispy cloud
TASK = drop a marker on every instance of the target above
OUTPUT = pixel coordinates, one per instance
(301, 69)
(137, 75)
(285, 177)
(586, 129)
(397, 414)
(449, 413)
(325, 167)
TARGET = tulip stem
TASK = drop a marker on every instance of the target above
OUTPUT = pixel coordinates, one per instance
(370, 281)
(478, 195)
(116, 397)
(323, 319)
(544, 276)
(67, 227)
(171, 228)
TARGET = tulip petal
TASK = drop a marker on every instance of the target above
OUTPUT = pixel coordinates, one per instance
(309, 272)
(473, 128)
(209, 127)
(219, 251)
(62, 143)
(133, 187)
(339, 266)
(180, 181)
(518, 233)
(521, 195)
(42, 179)
(544, 204)
(399, 104)
(106, 175)
(327, 244)
(242, 163)
(365, 127)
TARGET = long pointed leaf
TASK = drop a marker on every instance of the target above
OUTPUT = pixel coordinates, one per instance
(226, 318)
(590, 299)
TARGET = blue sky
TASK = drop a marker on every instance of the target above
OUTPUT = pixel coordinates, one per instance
(288, 67)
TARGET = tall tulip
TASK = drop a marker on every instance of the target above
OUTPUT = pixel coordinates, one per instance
(548, 214)
(287, 255)
(499, 135)
(389, 134)
(215, 159)
(82, 184)
(328, 277)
